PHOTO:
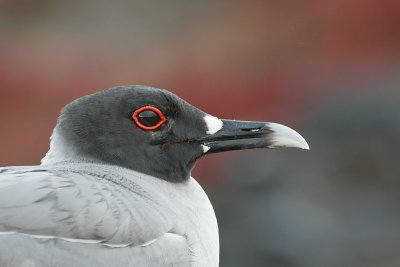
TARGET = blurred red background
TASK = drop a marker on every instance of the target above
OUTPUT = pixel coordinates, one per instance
(260, 60)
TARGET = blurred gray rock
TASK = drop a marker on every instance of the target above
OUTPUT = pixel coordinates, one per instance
(335, 205)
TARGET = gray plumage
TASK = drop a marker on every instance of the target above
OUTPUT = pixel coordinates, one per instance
(96, 215)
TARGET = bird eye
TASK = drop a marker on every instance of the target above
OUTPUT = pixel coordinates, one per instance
(149, 118)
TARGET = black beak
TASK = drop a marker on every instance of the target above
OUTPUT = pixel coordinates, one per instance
(237, 135)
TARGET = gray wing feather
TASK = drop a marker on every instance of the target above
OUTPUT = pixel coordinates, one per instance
(43, 202)
(46, 216)
(31, 252)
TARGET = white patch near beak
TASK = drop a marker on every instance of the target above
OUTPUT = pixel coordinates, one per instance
(205, 148)
(284, 136)
(213, 124)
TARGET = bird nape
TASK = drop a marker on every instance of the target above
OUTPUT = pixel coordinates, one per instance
(115, 188)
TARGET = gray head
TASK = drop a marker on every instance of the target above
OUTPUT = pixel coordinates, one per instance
(152, 131)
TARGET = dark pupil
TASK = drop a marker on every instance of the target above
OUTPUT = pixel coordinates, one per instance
(148, 118)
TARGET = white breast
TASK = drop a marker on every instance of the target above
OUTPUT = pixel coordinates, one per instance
(199, 223)
(195, 217)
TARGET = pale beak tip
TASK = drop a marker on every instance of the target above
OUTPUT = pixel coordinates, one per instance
(283, 136)
(305, 146)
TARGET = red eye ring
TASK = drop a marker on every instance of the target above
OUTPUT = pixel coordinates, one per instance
(163, 119)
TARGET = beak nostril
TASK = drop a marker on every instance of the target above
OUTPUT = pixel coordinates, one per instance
(252, 129)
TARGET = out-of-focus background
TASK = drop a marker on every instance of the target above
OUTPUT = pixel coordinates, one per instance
(330, 69)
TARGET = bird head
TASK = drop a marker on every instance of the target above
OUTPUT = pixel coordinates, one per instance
(153, 131)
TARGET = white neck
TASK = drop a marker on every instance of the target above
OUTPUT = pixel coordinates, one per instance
(59, 150)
